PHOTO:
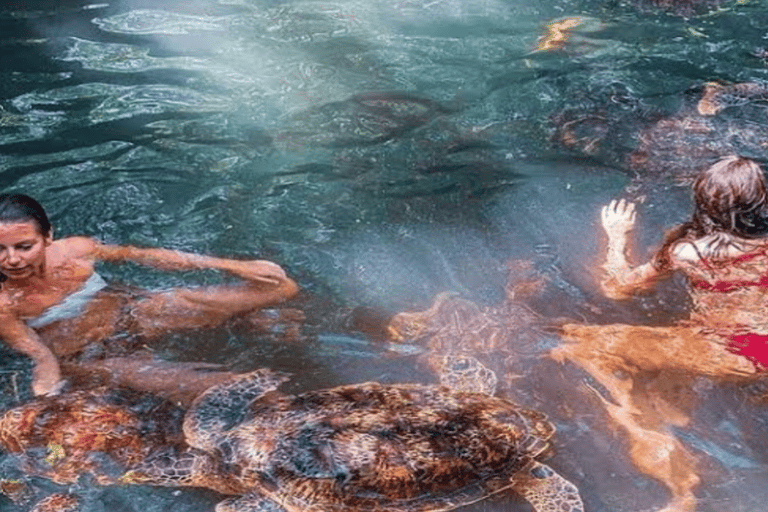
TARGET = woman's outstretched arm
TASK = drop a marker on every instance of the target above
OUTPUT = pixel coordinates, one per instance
(621, 279)
(166, 259)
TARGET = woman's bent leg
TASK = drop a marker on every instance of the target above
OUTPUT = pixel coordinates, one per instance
(191, 308)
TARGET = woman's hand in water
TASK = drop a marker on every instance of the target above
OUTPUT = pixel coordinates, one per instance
(260, 271)
(618, 217)
(46, 385)
(46, 376)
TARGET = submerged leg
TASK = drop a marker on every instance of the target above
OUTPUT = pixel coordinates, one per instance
(99, 321)
(152, 314)
(603, 351)
(659, 454)
(180, 382)
(547, 491)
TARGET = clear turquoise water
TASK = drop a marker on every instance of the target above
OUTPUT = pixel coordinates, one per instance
(383, 152)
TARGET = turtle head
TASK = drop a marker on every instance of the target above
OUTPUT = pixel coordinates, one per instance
(464, 373)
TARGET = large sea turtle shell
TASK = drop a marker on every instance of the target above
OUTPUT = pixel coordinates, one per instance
(101, 432)
(362, 447)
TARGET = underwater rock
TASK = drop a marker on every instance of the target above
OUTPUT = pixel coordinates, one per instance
(365, 118)
(679, 7)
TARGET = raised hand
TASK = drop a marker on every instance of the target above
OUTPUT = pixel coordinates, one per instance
(618, 217)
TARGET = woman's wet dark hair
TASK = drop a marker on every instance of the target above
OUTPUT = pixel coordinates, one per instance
(731, 199)
(22, 208)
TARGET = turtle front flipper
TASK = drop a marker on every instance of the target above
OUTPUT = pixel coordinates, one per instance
(225, 405)
(547, 491)
(409, 326)
(249, 503)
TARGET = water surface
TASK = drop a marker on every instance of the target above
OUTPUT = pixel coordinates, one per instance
(384, 152)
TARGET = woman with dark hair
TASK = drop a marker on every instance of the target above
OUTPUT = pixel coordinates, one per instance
(723, 252)
(53, 303)
(730, 221)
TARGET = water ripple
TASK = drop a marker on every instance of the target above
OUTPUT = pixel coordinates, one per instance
(125, 58)
(155, 99)
(149, 21)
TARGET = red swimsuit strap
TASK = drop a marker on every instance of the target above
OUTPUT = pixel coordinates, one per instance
(729, 286)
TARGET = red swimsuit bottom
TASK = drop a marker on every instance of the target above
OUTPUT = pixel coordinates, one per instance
(752, 346)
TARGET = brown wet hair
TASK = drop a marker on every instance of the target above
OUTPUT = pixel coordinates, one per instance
(731, 200)
(22, 208)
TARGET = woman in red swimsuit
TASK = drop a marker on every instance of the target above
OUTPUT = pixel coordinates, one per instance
(649, 371)
(722, 250)
(52, 303)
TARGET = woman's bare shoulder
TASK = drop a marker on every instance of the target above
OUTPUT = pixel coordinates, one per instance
(692, 251)
(7, 305)
(77, 247)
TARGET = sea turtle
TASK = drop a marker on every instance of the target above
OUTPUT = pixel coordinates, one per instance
(57, 503)
(712, 120)
(361, 447)
(462, 337)
(678, 7)
(569, 33)
(366, 447)
(101, 432)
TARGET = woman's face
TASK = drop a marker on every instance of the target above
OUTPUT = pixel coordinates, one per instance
(22, 249)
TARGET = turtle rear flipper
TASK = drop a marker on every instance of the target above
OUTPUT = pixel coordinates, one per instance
(224, 406)
(547, 491)
(58, 503)
(249, 503)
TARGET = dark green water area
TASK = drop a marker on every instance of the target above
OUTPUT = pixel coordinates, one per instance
(383, 153)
